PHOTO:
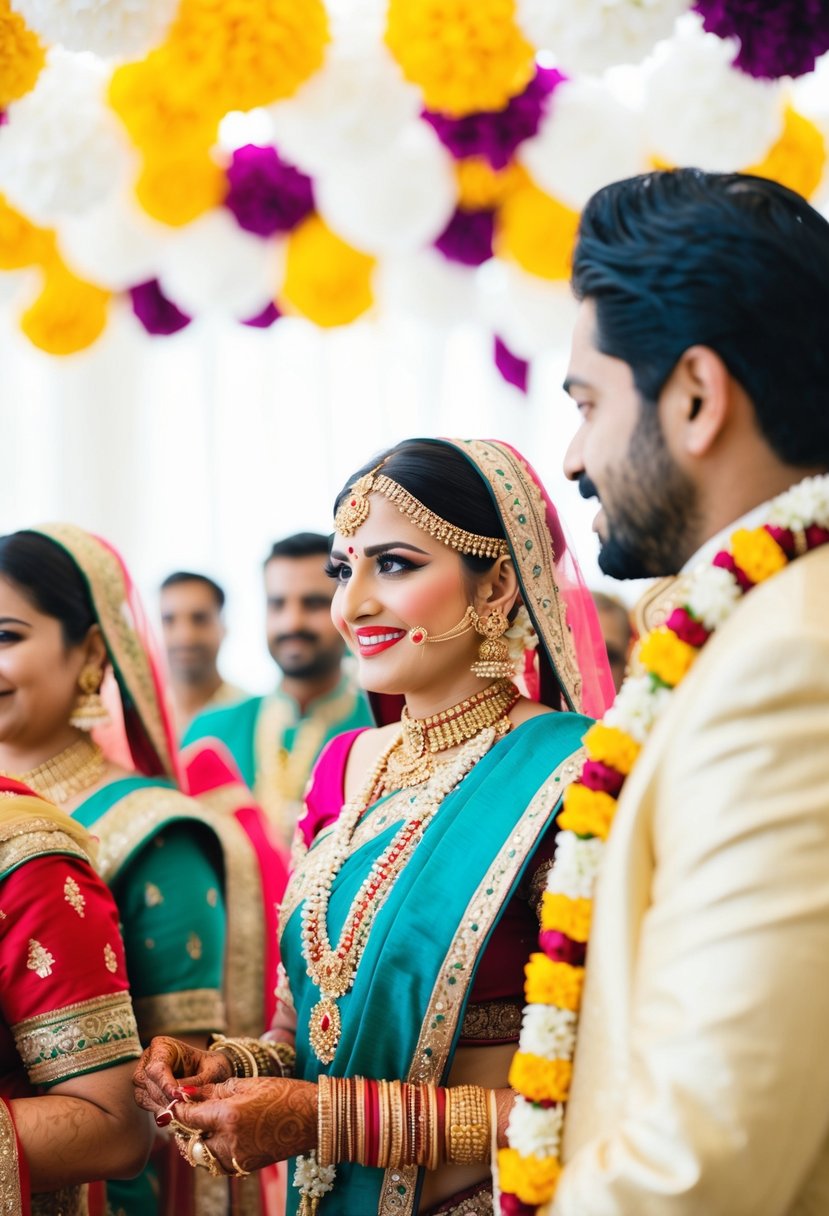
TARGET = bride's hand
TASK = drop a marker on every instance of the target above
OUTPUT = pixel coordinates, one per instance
(167, 1064)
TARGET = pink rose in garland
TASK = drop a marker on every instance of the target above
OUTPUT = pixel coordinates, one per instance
(266, 195)
(780, 39)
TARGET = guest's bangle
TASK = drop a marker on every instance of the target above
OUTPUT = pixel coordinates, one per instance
(256, 1057)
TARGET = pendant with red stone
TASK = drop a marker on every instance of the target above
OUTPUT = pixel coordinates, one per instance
(324, 1029)
(418, 635)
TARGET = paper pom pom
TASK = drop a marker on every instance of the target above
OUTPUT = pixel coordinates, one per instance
(62, 150)
(125, 29)
(780, 39)
(326, 280)
(114, 245)
(355, 106)
(265, 194)
(467, 238)
(531, 315)
(513, 369)
(177, 187)
(537, 232)
(427, 287)
(395, 201)
(495, 135)
(265, 318)
(480, 186)
(798, 159)
(157, 314)
(67, 316)
(159, 109)
(212, 266)
(22, 243)
(587, 139)
(21, 56)
(593, 35)
(701, 111)
(465, 55)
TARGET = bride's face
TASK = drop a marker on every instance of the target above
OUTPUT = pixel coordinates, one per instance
(392, 577)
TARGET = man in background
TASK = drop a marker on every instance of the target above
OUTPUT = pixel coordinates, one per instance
(274, 740)
(193, 629)
(617, 632)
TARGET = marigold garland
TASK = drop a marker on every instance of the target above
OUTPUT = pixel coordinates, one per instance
(537, 232)
(798, 522)
(465, 55)
(798, 158)
(21, 56)
(68, 315)
(326, 280)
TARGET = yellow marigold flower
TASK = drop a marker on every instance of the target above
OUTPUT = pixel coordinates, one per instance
(549, 983)
(666, 655)
(757, 553)
(175, 188)
(21, 56)
(540, 1080)
(480, 186)
(611, 746)
(537, 232)
(326, 280)
(160, 106)
(587, 812)
(798, 158)
(22, 243)
(68, 315)
(533, 1179)
(570, 916)
(465, 55)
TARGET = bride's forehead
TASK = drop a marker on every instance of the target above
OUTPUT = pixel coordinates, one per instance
(386, 524)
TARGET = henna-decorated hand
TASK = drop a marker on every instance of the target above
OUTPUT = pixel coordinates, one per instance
(167, 1064)
(256, 1120)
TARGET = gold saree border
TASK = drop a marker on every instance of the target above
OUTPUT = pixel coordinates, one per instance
(449, 993)
(188, 1011)
(22, 840)
(11, 1197)
(524, 515)
(78, 1038)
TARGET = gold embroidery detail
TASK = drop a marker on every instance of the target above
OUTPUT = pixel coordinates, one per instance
(195, 1009)
(538, 885)
(20, 842)
(71, 1201)
(39, 959)
(110, 959)
(194, 946)
(11, 1198)
(77, 1038)
(152, 895)
(212, 897)
(477, 1202)
(492, 1021)
(72, 895)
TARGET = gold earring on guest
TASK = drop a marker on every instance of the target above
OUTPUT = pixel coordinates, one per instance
(493, 661)
(89, 710)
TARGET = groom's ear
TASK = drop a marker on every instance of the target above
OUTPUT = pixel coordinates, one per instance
(696, 403)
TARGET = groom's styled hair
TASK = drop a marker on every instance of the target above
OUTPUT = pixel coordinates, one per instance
(729, 261)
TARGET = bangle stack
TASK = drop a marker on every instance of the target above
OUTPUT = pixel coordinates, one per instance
(393, 1124)
(256, 1057)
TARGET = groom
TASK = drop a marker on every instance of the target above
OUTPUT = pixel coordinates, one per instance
(700, 367)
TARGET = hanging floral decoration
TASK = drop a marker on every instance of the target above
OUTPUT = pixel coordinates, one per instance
(260, 158)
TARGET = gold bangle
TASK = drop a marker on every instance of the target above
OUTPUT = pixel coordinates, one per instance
(467, 1125)
(325, 1121)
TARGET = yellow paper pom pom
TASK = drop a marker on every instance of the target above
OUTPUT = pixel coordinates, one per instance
(666, 655)
(465, 55)
(550, 983)
(157, 103)
(611, 746)
(757, 553)
(21, 56)
(587, 812)
(326, 280)
(540, 1080)
(175, 188)
(22, 243)
(533, 1179)
(67, 316)
(537, 232)
(570, 916)
(798, 158)
(481, 187)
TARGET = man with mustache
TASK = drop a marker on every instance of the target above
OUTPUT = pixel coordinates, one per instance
(274, 740)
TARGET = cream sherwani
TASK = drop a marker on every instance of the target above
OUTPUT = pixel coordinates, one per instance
(701, 1083)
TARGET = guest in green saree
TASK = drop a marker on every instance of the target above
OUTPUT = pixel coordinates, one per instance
(427, 844)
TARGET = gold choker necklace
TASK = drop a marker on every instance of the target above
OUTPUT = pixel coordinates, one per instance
(412, 761)
(75, 769)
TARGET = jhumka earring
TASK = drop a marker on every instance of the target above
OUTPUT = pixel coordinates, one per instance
(493, 661)
(89, 710)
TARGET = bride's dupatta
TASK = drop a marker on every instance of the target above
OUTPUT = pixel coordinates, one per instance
(403, 1015)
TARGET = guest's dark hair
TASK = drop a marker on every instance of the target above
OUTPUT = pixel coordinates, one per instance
(300, 544)
(50, 580)
(188, 576)
(440, 477)
(725, 260)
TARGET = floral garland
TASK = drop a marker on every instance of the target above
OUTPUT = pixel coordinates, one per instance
(529, 1168)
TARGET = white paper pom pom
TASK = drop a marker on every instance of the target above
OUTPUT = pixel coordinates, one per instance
(427, 287)
(63, 150)
(115, 245)
(592, 35)
(394, 201)
(213, 266)
(531, 315)
(701, 111)
(125, 29)
(586, 139)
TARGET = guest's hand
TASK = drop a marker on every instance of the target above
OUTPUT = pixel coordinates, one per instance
(167, 1065)
(247, 1123)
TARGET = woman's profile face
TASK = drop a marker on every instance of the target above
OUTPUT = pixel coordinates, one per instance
(38, 672)
(392, 577)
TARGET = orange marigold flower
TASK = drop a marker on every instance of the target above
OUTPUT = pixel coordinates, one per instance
(666, 656)
(533, 1179)
(540, 1080)
(549, 983)
(611, 746)
(757, 553)
(570, 916)
(587, 812)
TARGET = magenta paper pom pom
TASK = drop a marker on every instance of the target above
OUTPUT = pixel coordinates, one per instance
(514, 369)
(779, 39)
(156, 313)
(265, 194)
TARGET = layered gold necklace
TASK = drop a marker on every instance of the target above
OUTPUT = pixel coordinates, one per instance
(475, 724)
(75, 769)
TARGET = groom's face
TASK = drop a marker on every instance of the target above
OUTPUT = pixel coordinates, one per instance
(619, 456)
